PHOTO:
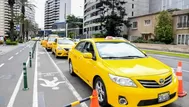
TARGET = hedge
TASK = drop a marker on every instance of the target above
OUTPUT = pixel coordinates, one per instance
(9, 42)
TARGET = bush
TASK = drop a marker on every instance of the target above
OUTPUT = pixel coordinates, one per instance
(1, 42)
(9, 42)
(151, 41)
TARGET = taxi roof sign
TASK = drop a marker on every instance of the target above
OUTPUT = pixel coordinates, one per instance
(109, 37)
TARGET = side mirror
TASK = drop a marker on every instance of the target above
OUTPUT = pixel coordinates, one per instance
(88, 55)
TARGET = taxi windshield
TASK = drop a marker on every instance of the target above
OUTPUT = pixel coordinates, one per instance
(65, 42)
(118, 50)
(51, 39)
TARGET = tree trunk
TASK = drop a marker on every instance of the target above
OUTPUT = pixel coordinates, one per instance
(23, 16)
(12, 24)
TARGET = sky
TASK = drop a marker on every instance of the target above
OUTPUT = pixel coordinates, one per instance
(40, 9)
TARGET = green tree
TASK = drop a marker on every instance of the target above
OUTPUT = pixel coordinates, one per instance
(71, 35)
(11, 4)
(24, 4)
(112, 22)
(164, 29)
(74, 23)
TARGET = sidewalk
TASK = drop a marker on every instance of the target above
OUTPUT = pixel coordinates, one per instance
(163, 47)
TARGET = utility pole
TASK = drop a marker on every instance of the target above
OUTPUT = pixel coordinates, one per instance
(65, 15)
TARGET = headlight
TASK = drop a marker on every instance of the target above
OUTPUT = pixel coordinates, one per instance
(59, 48)
(173, 71)
(123, 81)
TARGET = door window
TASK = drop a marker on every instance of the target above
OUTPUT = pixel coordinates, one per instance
(80, 46)
(89, 49)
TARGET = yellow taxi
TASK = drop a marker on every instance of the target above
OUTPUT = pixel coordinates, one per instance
(44, 41)
(50, 41)
(123, 75)
(61, 47)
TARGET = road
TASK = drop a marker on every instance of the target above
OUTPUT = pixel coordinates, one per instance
(50, 83)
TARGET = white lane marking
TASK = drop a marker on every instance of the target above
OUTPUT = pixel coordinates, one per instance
(70, 86)
(182, 70)
(2, 65)
(35, 92)
(17, 53)
(10, 58)
(15, 92)
(20, 50)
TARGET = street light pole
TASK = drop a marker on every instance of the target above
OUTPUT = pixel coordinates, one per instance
(65, 15)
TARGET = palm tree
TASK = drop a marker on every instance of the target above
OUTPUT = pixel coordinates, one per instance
(11, 4)
(23, 4)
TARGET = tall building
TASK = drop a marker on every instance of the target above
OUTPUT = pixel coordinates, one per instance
(5, 15)
(56, 11)
(159, 5)
(30, 14)
(92, 13)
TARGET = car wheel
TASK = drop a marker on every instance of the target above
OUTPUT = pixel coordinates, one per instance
(101, 90)
(71, 71)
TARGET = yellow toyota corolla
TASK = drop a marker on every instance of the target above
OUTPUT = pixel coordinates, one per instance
(61, 46)
(50, 41)
(123, 75)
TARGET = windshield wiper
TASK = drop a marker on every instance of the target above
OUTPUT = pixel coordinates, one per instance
(122, 57)
(135, 56)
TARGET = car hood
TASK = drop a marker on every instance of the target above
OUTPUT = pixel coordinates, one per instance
(136, 67)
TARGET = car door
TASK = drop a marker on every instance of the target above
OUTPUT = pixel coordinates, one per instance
(88, 66)
(76, 55)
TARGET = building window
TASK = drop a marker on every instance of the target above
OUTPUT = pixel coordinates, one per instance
(183, 21)
(132, 13)
(147, 22)
(132, 6)
(135, 25)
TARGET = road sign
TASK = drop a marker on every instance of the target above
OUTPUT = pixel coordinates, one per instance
(17, 27)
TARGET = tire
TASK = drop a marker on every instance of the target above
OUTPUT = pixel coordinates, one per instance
(100, 87)
(71, 71)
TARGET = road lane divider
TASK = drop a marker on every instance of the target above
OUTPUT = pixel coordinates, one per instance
(181, 92)
(2, 65)
(94, 100)
(17, 53)
(10, 58)
(15, 92)
(35, 84)
(25, 77)
(70, 86)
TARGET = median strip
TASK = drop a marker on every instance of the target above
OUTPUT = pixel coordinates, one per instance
(181, 55)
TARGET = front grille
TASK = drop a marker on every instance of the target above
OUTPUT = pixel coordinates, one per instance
(153, 101)
(67, 49)
(154, 84)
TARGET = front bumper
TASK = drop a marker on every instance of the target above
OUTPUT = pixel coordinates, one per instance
(141, 97)
(61, 53)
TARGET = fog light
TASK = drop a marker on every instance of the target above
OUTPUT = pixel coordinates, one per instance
(122, 100)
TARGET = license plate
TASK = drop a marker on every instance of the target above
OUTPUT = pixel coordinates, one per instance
(163, 97)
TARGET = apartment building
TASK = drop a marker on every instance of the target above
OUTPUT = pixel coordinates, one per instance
(5, 15)
(56, 11)
(160, 5)
(92, 13)
(144, 25)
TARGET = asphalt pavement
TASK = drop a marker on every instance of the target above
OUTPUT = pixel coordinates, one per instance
(10, 71)
(50, 84)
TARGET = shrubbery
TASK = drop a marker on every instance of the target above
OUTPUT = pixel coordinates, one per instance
(9, 42)
(141, 40)
(1, 42)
